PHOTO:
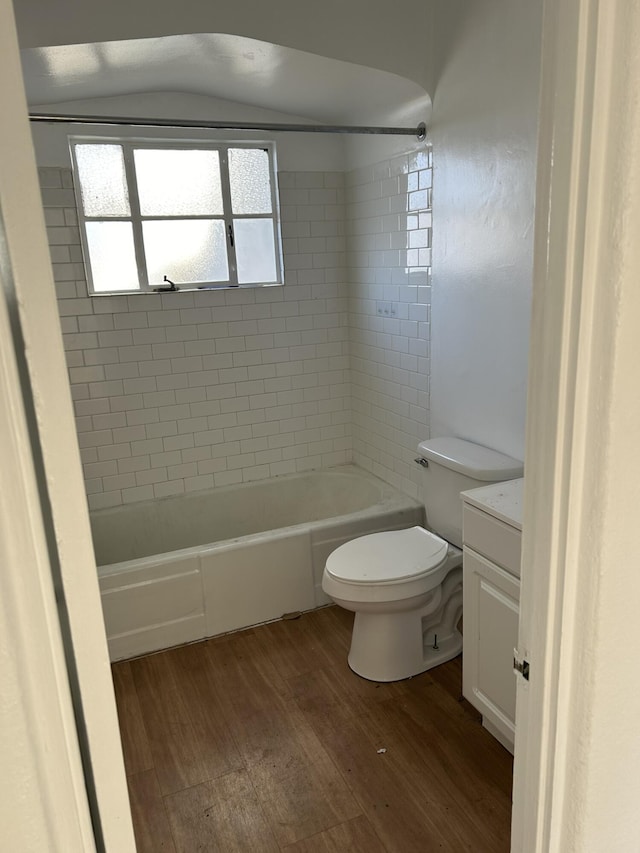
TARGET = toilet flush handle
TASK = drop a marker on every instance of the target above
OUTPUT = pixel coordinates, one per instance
(422, 461)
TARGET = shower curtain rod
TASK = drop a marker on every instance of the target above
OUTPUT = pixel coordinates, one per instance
(420, 131)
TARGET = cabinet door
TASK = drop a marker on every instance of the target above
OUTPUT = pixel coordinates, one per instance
(491, 611)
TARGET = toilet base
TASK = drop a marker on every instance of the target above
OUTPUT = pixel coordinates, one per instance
(393, 646)
(398, 668)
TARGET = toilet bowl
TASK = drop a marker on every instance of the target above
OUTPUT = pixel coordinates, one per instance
(405, 587)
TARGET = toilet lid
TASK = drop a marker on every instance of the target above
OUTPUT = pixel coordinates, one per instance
(391, 556)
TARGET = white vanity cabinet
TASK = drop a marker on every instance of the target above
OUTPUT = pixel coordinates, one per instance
(492, 525)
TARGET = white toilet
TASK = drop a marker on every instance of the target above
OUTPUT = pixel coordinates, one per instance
(405, 586)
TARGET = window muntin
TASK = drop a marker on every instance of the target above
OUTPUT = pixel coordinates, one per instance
(201, 215)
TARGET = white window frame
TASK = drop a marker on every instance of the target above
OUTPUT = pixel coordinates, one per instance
(129, 145)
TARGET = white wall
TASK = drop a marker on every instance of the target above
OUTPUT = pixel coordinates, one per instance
(369, 149)
(296, 152)
(483, 130)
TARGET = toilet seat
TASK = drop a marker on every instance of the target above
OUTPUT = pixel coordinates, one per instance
(395, 556)
(405, 588)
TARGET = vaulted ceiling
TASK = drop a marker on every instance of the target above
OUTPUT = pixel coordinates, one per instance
(223, 66)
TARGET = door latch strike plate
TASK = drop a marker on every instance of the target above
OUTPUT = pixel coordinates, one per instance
(520, 665)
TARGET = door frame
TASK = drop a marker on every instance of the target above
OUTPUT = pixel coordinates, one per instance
(58, 676)
(575, 730)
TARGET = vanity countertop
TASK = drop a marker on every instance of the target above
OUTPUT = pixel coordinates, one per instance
(502, 500)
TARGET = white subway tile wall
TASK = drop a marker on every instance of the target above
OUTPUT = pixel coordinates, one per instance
(187, 391)
(389, 257)
(184, 391)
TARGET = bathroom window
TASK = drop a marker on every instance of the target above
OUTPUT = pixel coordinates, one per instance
(175, 215)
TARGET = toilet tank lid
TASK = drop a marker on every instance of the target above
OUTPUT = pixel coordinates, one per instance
(474, 460)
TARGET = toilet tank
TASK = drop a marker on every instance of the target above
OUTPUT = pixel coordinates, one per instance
(453, 466)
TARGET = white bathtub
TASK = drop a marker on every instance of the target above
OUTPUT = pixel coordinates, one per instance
(179, 569)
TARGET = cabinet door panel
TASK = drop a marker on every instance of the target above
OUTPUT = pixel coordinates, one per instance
(491, 612)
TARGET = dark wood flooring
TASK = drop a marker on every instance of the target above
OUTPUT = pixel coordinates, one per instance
(264, 740)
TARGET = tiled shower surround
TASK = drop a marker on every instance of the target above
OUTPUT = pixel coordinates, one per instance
(186, 391)
(389, 257)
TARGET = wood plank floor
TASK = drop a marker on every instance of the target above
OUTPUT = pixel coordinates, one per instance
(265, 740)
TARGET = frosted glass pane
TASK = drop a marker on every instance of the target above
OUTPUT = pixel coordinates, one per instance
(178, 183)
(255, 250)
(185, 251)
(250, 182)
(103, 186)
(113, 258)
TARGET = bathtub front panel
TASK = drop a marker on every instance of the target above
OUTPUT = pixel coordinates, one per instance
(153, 604)
(257, 581)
